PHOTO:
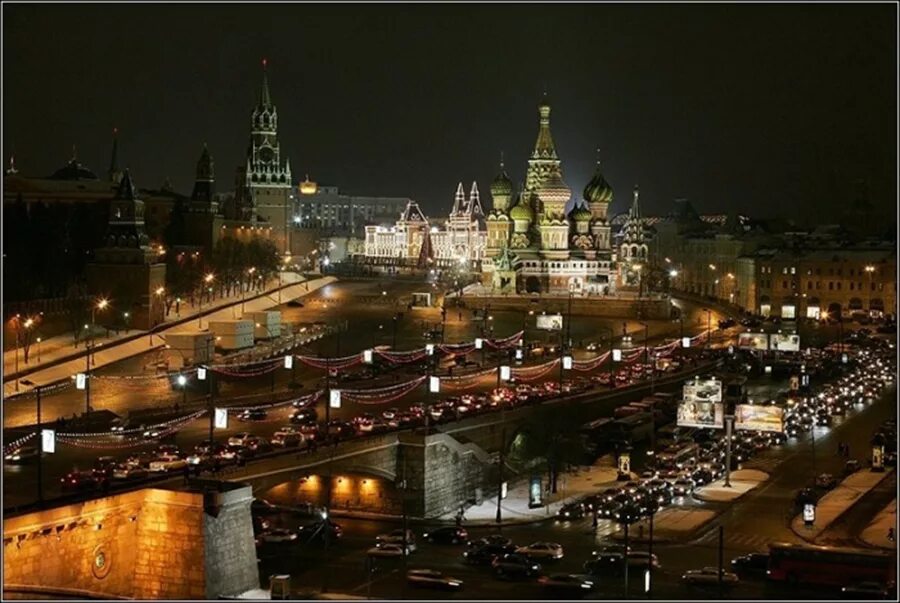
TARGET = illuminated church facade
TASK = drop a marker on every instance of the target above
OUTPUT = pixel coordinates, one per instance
(534, 245)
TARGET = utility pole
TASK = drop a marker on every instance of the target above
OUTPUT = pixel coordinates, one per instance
(40, 456)
(211, 391)
(87, 380)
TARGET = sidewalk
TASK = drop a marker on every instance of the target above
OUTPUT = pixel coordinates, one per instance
(115, 352)
(60, 347)
(514, 508)
(837, 502)
(876, 533)
(742, 481)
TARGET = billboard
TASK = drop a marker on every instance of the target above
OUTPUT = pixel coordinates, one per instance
(753, 341)
(702, 390)
(784, 343)
(701, 414)
(759, 418)
(550, 322)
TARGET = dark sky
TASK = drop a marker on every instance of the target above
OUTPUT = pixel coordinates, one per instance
(765, 109)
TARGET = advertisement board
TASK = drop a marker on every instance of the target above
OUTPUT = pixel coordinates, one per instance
(535, 497)
(784, 343)
(367, 356)
(80, 379)
(550, 322)
(505, 373)
(753, 341)
(201, 373)
(220, 419)
(334, 398)
(701, 414)
(48, 441)
(625, 463)
(702, 390)
(288, 361)
(809, 513)
(757, 417)
(434, 384)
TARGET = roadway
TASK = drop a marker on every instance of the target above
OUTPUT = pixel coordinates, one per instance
(760, 517)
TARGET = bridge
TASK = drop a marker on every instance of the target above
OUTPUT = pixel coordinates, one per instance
(436, 472)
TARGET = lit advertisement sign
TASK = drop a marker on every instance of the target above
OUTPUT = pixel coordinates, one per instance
(755, 417)
(220, 420)
(784, 343)
(505, 373)
(702, 390)
(788, 311)
(701, 414)
(753, 341)
(550, 322)
(48, 441)
(334, 398)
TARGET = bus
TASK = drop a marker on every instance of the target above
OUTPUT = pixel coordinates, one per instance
(827, 565)
(634, 428)
(595, 437)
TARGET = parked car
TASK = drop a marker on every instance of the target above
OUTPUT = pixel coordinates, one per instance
(447, 535)
(566, 583)
(514, 565)
(542, 550)
(427, 578)
(709, 575)
(851, 466)
(605, 564)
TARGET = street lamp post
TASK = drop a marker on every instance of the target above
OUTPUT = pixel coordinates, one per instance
(250, 272)
(869, 270)
(206, 279)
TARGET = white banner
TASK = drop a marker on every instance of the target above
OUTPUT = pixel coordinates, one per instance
(201, 373)
(479, 343)
(367, 356)
(288, 361)
(434, 385)
(221, 418)
(48, 441)
(567, 362)
(505, 373)
(685, 342)
(429, 349)
(519, 354)
(334, 398)
(617, 355)
(550, 322)
(80, 380)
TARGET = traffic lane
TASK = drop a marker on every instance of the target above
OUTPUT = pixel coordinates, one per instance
(121, 395)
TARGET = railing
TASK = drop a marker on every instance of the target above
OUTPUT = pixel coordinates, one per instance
(62, 593)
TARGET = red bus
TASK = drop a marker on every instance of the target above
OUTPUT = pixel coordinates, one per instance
(828, 565)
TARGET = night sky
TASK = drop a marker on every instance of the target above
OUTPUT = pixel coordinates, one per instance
(764, 109)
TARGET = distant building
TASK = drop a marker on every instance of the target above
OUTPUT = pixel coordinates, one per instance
(332, 212)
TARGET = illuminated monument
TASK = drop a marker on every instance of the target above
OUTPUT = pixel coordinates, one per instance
(532, 235)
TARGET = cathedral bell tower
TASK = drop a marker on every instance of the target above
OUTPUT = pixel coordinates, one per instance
(268, 176)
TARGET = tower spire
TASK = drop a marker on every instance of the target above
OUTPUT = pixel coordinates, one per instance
(501, 161)
(114, 174)
(12, 166)
(265, 98)
(474, 206)
(459, 200)
(635, 209)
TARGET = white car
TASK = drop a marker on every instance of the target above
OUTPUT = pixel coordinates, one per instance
(432, 578)
(167, 462)
(709, 575)
(396, 537)
(390, 550)
(278, 535)
(240, 439)
(542, 550)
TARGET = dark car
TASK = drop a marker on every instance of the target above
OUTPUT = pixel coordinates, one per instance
(485, 554)
(253, 414)
(571, 511)
(21, 455)
(78, 480)
(316, 531)
(514, 565)
(447, 535)
(754, 563)
(609, 563)
(304, 415)
(103, 467)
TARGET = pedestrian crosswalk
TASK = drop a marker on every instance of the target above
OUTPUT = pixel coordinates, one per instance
(737, 540)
